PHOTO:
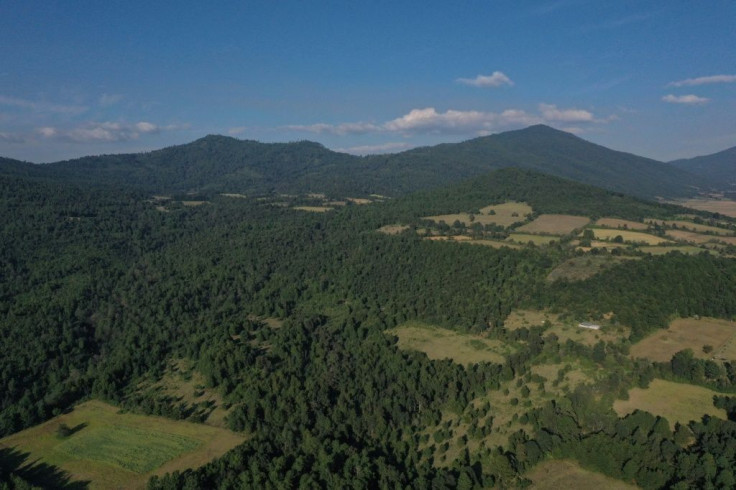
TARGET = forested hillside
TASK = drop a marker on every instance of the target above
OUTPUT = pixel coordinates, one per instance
(223, 164)
(103, 289)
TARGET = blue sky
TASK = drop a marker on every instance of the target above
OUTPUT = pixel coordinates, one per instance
(656, 78)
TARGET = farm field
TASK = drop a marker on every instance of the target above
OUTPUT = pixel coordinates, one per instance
(469, 240)
(579, 268)
(687, 225)
(621, 223)
(689, 333)
(556, 474)
(120, 450)
(527, 318)
(525, 238)
(727, 208)
(554, 224)
(677, 402)
(685, 249)
(505, 215)
(691, 236)
(313, 209)
(440, 343)
(393, 229)
(629, 236)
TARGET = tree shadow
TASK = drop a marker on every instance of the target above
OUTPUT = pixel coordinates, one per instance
(37, 473)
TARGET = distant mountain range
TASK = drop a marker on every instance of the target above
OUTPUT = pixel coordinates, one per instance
(719, 167)
(224, 164)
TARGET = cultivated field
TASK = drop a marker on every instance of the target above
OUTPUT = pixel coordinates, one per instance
(677, 402)
(579, 268)
(554, 224)
(393, 229)
(688, 225)
(557, 474)
(629, 236)
(621, 223)
(505, 215)
(726, 208)
(691, 236)
(440, 343)
(115, 450)
(689, 333)
(685, 249)
(313, 209)
(469, 240)
(525, 238)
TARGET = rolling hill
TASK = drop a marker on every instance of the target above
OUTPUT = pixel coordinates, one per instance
(224, 164)
(718, 167)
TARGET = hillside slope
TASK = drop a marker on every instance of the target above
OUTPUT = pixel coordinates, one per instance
(224, 164)
(719, 167)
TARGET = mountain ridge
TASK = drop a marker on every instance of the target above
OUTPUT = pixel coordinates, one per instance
(217, 163)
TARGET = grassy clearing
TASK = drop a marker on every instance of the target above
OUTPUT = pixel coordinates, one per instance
(629, 236)
(677, 402)
(621, 223)
(121, 450)
(469, 240)
(235, 195)
(313, 209)
(525, 238)
(579, 268)
(724, 207)
(556, 474)
(393, 229)
(528, 318)
(570, 330)
(440, 343)
(689, 333)
(555, 224)
(193, 203)
(505, 215)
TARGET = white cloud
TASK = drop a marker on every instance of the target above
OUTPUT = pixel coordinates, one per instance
(338, 129)
(236, 130)
(690, 82)
(12, 138)
(550, 112)
(429, 120)
(375, 149)
(104, 131)
(106, 100)
(41, 106)
(685, 99)
(494, 80)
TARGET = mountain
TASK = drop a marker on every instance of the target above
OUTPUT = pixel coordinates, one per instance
(718, 167)
(224, 164)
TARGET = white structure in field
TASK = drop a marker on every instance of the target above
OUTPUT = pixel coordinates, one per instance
(588, 325)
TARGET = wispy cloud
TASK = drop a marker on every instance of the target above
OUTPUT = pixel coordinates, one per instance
(496, 79)
(41, 106)
(391, 147)
(107, 100)
(430, 121)
(685, 99)
(104, 131)
(691, 82)
(237, 130)
(550, 112)
(12, 138)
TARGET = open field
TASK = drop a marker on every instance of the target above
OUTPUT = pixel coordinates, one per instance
(393, 229)
(313, 209)
(440, 343)
(121, 450)
(183, 383)
(579, 268)
(469, 240)
(525, 238)
(554, 224)
(629, 236)
(563, 473)
(677, 402)
(527, 318)
(570, 330)
(505, 215)
(691, 236)
(689, 333)
(727, 208)
(688, 225)
(621, 223)
(193, 203)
